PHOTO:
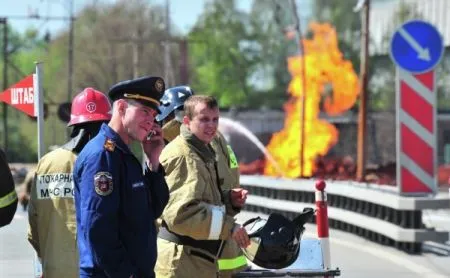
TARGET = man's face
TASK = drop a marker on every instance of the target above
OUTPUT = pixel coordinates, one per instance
(204, 123)
(138, 120)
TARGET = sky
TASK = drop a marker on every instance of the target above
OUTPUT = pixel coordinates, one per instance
(183, 12)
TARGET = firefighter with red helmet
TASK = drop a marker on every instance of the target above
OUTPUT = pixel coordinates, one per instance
(51, 213)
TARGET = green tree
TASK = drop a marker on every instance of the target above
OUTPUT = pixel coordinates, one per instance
(23, 50)
(242, 58)
(270, 22)
(222, 53)
(105, 38)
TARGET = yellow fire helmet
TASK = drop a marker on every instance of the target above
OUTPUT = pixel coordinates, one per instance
(275, 242)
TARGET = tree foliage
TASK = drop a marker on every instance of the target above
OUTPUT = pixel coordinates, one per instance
(106, 35)
(238, 56)
(222, 53)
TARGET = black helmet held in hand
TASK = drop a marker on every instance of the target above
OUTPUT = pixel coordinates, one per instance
(172, 100)
(275, 242)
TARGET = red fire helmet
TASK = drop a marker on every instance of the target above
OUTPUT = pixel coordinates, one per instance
(89, 106)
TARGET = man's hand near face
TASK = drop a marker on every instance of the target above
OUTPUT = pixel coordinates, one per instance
(152, 147)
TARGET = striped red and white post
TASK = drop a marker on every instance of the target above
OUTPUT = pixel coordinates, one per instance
(322, 223)
(416, 132)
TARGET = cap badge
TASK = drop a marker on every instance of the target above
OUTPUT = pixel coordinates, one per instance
(159, 85)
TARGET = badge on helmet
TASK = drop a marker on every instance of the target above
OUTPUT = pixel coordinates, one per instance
(172, 100)
(275, 242)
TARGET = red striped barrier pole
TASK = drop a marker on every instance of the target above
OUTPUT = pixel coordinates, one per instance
(322, 222)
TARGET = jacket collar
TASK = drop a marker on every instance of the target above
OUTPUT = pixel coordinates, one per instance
(205, 151)
(171, 130)
(110, 134)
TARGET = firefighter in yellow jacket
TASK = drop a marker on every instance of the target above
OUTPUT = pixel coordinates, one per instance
(198, 224)
(51, 213)
(232, 259)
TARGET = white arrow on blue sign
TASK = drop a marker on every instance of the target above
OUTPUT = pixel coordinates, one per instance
(416, 46)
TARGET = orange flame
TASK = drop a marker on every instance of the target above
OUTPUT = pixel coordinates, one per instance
(324, 66)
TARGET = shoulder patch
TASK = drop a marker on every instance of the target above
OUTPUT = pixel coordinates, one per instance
(233, 159)
(109, 145)
(103, 183)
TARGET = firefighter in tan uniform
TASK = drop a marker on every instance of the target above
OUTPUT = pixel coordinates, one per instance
(232, 259)
(198, 223)
(51, 213)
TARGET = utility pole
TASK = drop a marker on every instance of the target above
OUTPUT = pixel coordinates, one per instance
(362, 117)
(70, 59)
(301, 51)
(168, 73)
(184, 63)
(183, 45)
(70, 53)
(137, 50)
(4, 21)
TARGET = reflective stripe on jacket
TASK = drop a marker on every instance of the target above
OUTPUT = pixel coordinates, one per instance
(8, 199)
(232, 259)
(8, 196)
(193, 208)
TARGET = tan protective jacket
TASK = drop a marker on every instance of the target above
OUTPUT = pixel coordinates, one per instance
(232, 259)
(51, 213)
(196, 208)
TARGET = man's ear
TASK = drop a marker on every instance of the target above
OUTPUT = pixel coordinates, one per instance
(122, 106)
(186, 120)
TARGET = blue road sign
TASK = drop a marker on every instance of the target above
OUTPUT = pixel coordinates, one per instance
(416, 46)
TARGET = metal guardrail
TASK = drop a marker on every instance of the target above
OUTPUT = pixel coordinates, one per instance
(377, 213)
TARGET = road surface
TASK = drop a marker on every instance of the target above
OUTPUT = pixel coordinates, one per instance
(354, 256)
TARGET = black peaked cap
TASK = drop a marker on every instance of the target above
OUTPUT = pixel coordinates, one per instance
(147, 90)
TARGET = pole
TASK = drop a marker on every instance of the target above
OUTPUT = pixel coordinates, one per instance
(167, 47)
(322, 222)
(4, 21)
(39, 101)
(184, 75)
(136, 55)
(301, 51)
(39, 113)
(362, 116)
(70, 53)
(70, 58)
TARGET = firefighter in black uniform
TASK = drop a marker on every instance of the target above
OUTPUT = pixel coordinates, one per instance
(8, 196)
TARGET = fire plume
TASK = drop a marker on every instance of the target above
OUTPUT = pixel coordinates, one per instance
(325, 68)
